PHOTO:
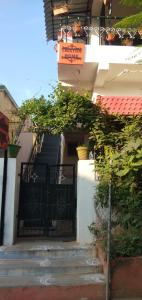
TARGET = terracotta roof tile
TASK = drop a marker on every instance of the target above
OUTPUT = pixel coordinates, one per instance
(121, 105)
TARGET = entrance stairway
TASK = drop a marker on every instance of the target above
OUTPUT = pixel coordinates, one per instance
(50, 150)
(50, 271)
(49, 155)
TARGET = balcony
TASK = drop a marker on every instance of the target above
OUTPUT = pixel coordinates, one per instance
(103, 60)
(110, 56)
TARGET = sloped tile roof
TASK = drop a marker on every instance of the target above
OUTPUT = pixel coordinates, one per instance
(121, 105)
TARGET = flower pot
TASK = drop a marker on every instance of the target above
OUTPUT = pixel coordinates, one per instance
(77, 27)
(127, 42)
(110, 37)
(82, 153)
(13, 150)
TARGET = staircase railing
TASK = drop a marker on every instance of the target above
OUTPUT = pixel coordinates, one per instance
(108, 274)
(36, 147)
(58, 171)
(35, 150)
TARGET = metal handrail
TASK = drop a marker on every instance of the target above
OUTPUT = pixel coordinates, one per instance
(35, 150)
(36, 147)
(108, 274)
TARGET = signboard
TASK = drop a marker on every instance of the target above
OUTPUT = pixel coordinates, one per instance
(3, 131)
(71, 53)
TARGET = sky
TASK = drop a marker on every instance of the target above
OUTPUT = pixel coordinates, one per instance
(28, 64)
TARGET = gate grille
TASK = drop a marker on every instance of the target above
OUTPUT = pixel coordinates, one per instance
(47, 202)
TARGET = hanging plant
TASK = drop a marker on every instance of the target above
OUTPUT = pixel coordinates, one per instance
(77, 27)
(110, 37)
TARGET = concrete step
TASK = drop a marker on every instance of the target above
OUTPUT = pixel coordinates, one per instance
(52, 280)
(50, 150)
(48, 154)
(25, 250)
(50, 270)
(46, 150)
(20, 267)
(50, 160)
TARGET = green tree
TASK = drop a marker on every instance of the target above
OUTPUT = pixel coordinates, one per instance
(125, 172)
(39, 111)
(64, 110)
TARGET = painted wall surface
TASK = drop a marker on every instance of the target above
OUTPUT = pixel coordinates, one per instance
(26, 143)
(26, 140)
(1, 182)
(85, 200)
(112, 54)
(9, 108)
(6, 106)
(118, 89)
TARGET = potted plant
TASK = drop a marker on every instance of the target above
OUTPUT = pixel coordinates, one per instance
(77, 27)
(110, 37)
(82, 152)
(13, 146)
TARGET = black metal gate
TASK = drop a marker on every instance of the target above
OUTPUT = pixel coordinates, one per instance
(47, 203)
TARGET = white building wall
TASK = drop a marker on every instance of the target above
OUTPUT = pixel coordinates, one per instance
(112, 54)
(13, 184)
(118, 89)
(85, 200)
(9, 219)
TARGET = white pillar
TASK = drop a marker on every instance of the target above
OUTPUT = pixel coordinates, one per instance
(9, 222)
(1, 182)
(85, 200)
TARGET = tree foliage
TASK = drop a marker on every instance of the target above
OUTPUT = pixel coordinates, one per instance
(125, 173)
(39, 111)
(135, 3)
(64, 110)
(134, 21)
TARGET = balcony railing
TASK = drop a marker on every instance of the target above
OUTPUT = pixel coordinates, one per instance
(107, 34)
